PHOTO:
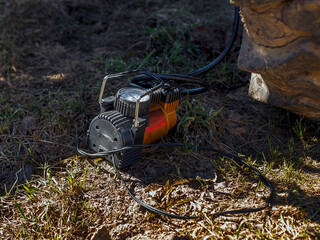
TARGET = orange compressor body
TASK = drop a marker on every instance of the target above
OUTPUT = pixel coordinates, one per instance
(162, 118)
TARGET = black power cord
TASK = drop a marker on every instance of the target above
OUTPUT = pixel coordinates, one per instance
(193, 76)
(237, 211)
(236, 159)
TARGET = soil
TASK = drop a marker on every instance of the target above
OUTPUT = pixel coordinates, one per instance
(55, 56)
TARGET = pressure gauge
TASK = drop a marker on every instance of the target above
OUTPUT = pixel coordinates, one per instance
(126, 102)
(131, 94)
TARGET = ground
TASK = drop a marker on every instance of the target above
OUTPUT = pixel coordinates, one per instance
(53, 57)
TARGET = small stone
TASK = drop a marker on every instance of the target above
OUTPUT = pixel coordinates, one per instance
(221, 185)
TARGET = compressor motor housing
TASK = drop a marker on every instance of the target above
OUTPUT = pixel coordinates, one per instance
(121, 124)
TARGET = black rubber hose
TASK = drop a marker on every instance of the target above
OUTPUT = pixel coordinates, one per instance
(226, 49)
(186, 78)
(204, 86)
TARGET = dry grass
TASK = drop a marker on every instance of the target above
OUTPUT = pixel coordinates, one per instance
(53, 56)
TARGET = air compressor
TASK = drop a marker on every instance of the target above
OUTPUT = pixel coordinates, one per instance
(135, 115)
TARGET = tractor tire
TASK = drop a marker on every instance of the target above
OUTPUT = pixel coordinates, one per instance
(281, 48)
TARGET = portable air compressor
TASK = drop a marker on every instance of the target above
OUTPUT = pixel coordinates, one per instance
(145, 111)
(135, 115)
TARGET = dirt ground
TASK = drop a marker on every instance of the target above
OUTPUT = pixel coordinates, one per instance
(53, 57)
